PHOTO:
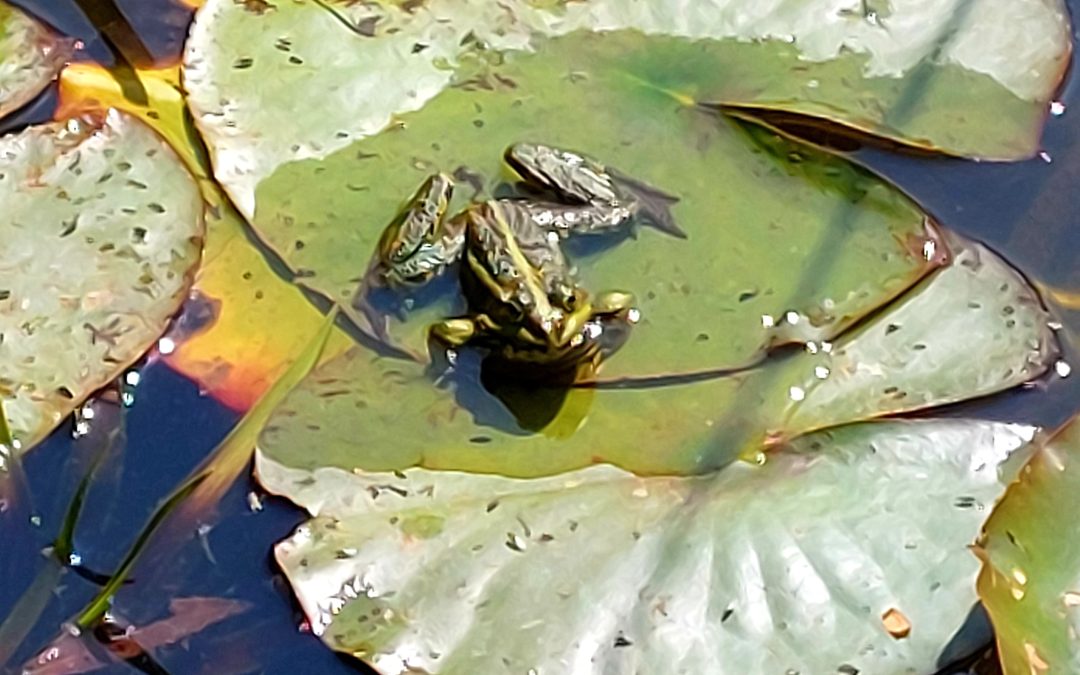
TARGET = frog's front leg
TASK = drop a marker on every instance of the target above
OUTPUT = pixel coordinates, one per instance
(449, 335)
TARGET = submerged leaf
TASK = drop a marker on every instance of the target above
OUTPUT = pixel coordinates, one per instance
(71, 654)
(102, 228)
(785, 567)
(1030, 580)
(30, 57)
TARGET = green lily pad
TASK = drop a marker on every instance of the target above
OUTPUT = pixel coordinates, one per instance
(31, 55)
(970, 78)
(773, 226)
(971, 329)
(846, 552)
(1030, 580)
(102, 228)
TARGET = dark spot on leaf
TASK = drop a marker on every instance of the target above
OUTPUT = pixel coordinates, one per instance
(296, 60)
(727, 614)
(243, 63)
(480, 439)
(256, 6)
(621, 641)
(366, 26)
(891, 328)
(846, 669)
(964, 502)
(747, 295)
(418, 47)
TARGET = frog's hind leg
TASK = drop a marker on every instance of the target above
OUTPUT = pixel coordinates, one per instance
(654, 205)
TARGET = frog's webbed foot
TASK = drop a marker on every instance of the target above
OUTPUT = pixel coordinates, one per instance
(654, 205)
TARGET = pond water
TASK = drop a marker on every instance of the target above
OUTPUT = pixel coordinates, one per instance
(1025, 210)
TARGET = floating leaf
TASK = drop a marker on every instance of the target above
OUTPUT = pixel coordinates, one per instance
(102, 229)
(235, 356)
(973, 328)
(30, 57)
(793, 566)
(773, 226)
(1030, 580)
(966, 77)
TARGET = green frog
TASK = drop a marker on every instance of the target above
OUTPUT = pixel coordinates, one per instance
(524, 305)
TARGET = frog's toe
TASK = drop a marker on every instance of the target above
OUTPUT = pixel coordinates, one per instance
(613, 302)
(452, 333)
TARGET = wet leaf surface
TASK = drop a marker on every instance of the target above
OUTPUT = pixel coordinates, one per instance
(31, 55)
(1030, 579)
(600, 570)
(971, 329)
(103, 229)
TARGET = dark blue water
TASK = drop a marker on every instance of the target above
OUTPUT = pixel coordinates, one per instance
(1024, 210)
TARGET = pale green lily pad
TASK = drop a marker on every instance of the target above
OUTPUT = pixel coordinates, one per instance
(102, 229)
(808, 564)
(972, 329)
(30, 57)
(969, 77)
(1030, 580)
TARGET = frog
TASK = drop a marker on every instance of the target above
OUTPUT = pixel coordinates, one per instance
(524, 304)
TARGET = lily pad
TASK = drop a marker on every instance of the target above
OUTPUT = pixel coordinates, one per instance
(31, 55)
(773, 226)
(965, 77)
(102, 228)
(231, 354)
(973, 328)
(1030, 580)
(845, 552)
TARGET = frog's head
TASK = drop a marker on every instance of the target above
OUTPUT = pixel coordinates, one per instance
(567, 174)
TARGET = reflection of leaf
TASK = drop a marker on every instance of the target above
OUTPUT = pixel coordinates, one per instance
(102, 230)
(1030, 581)
(800, 565)
(30, 57)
